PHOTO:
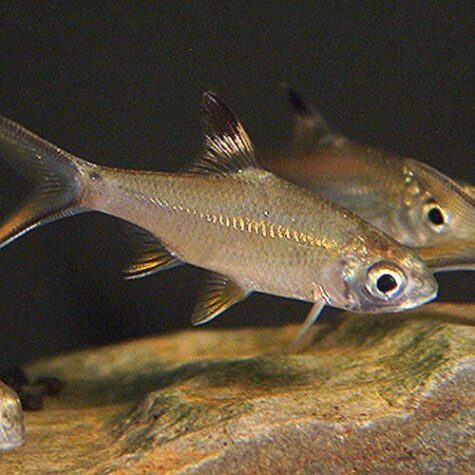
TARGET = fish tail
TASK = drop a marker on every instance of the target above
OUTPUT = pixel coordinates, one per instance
(58, 178)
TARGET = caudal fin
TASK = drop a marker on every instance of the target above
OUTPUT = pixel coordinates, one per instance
(55, 173)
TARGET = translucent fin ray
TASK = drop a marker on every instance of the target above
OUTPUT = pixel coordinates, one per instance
(228, 148)
(219, 294)
(310, 129)
(150, 255)
(54, 173)
(303, 338)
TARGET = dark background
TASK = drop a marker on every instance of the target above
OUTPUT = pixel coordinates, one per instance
(121, 85)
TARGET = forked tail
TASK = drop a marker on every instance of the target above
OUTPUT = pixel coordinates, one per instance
(56, 174)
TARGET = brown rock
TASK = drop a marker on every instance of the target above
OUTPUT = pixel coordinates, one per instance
(374, 394)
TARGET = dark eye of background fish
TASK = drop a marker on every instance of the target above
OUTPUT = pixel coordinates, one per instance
(162, 208)
(386, 283)
(435, 216)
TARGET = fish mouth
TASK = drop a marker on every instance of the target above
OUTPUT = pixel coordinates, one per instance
(425, 290)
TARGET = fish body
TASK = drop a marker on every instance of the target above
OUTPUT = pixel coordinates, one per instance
(242, 229)
(263, 232)
(360, 178)
(252, 229)
(407, 199)
(12, 429)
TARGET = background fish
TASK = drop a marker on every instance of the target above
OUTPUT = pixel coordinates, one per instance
(468, 188)
(253, 230)
(409, 200)
(12, 430)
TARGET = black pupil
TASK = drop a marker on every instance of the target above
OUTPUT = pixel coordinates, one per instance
(435, 216)
(386, 283)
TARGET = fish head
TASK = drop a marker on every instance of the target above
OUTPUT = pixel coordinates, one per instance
(435, 210)
(377, 275)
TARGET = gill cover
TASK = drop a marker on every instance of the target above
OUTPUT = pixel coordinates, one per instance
(445, 219)
(436, 215)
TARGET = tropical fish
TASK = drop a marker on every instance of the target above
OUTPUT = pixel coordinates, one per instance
(12, 430)
(254, 231)
(407, 199)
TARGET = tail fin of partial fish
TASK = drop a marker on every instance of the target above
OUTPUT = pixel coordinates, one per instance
(55, 173)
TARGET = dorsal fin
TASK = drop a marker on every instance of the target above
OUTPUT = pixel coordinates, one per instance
(150, 255)
(228, 148)
(310, 130)
(219, 293)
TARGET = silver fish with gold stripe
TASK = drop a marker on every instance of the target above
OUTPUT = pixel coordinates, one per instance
(254, 231)
(407, 199)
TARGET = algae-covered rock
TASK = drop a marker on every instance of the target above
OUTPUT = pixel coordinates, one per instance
(373, 394)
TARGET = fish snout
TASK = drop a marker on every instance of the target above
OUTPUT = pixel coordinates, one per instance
(425, 287)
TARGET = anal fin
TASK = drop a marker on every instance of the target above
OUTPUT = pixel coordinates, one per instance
(219, 294)
(150, 255)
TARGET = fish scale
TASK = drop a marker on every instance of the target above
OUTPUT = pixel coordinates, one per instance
(251, 229)
(300, 231)
(391, 192)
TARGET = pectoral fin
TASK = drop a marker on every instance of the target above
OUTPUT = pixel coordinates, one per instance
(219, 294)
(301, 340)
(150, 255)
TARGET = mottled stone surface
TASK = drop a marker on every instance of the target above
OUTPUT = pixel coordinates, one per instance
(373, 394)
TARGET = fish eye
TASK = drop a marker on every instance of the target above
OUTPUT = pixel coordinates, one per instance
(384, 281)
(435, 216)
